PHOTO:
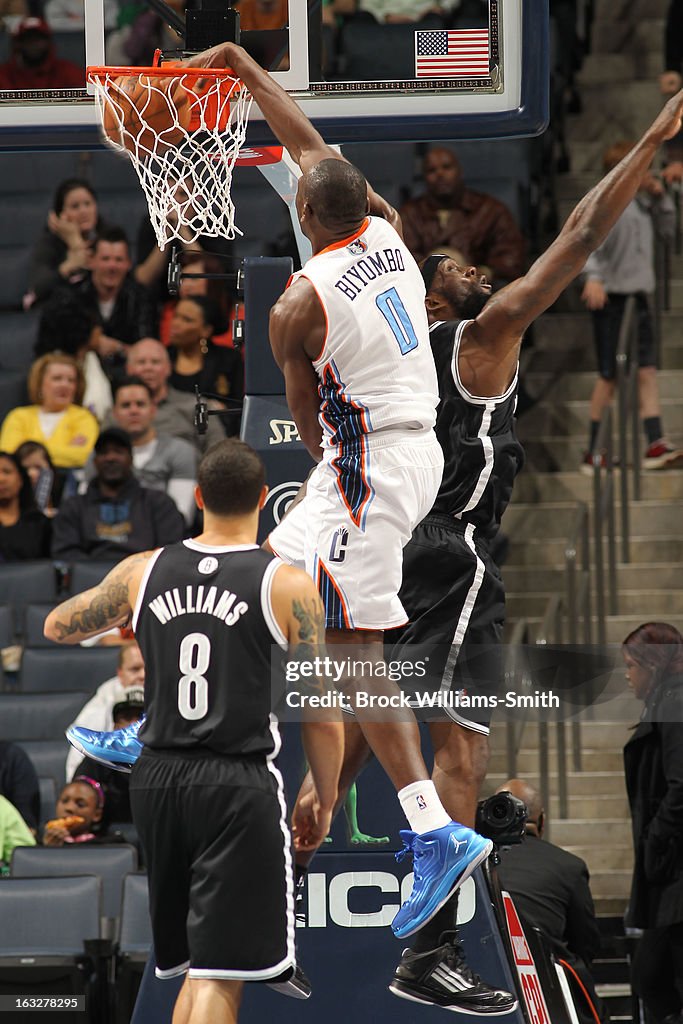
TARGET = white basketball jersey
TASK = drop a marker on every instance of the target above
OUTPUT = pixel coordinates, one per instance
(376, 367)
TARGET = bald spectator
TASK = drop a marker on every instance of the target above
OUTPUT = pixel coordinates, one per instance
(149, 360)
(98, 712)
(550, 889)
(116, 516)
(34, 64)
(450, 216)
(160, 461)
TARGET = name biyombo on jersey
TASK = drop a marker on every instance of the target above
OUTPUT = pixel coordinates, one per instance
(368, 269)
(169, 605)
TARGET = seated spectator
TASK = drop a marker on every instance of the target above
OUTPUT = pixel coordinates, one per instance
(122, 308)
(24, 530)
(212, 289)
(69, 16)
(98, 712)
(19, 782)
(136, 42)
(48, 485)
(67, 326)
(55, 418)
(62, 253)
(13, 832)
(149, 360)
(196, 361)
(258, 15)
(34, 63)
(79, 816)
(116, 516)
(550, 889)
(451, 214)
(130, 708)
(160, 461)
(400, 12)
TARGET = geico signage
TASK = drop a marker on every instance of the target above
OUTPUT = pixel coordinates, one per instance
(283, 432)
(329, 899)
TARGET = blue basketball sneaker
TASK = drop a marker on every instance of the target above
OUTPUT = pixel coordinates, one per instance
(442, 860)
(118, 749)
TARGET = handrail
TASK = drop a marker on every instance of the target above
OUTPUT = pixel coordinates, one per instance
(602, 458)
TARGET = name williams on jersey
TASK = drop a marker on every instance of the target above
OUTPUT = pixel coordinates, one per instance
(367, 269)
(202, 600)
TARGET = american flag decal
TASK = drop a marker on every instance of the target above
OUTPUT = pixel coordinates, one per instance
(452, 53)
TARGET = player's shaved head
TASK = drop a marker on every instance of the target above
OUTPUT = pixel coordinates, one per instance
(231, 477)
(337, 193)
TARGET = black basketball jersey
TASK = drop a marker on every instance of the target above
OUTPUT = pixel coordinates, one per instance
(206, 630)
(482, 453)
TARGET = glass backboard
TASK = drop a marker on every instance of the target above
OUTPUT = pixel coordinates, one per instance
(475, 75)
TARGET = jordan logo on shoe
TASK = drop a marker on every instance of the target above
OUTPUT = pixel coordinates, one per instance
(457, 843)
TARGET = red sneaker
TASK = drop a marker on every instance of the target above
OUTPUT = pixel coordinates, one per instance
(662, 455)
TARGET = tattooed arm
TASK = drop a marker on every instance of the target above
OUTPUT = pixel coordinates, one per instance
(94, 611)
(301, 616)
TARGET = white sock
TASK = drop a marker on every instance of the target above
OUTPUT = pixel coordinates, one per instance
(422, 807)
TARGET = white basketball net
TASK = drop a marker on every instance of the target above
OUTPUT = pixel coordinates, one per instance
(185, 153)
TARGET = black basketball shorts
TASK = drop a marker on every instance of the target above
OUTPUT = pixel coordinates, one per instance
(454, 596)
(218, 851)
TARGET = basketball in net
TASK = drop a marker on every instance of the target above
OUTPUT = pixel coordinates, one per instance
(182, 129)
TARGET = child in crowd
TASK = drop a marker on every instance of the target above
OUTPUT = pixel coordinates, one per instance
(79, 815)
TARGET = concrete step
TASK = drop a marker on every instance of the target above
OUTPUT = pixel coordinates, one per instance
(605, 69)
(520, 579)
(612, 114)
(599, 785)
(550, 454)
(556, 519)
(610, 36)
(571, 418)
(537, 552)
(559, 330)
(605, 856)
(577, 385)
(587, 832)
(616, 626)
(528, 764)
(599, 807)
(655, 603)
(613, 906)
(575, 486)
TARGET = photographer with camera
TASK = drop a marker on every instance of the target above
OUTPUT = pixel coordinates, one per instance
(549, 887)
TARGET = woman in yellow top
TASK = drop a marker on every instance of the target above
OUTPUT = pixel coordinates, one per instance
(55, 419)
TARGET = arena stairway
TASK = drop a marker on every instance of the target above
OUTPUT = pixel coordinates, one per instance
(618, 88)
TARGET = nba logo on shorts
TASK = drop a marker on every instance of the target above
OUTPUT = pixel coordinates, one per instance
(421, 802)
(340, 539)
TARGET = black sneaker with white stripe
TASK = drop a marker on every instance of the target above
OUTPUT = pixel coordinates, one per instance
(441, 977)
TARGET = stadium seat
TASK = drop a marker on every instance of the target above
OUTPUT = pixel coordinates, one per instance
(18, 332)
(109, 863)
(46, 923)
(32, 626)
(84, 575)
(135, 941)
(77, 668)
(7, 625)
(38, 716)
(12, 392)
(48, 798)
(14, 273)
(48, 758)
(22, 582)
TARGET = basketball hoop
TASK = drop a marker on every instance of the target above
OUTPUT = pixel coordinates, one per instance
(182, 129)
